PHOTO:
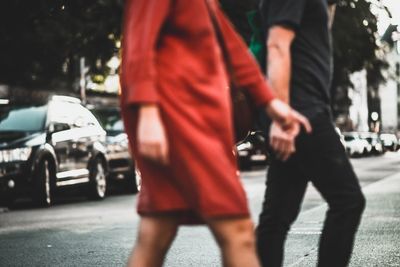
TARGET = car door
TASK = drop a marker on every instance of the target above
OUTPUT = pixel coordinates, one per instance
(61, 130)
(90, 134)
(69, 144)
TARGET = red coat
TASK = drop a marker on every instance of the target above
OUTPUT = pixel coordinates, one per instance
(170, 56)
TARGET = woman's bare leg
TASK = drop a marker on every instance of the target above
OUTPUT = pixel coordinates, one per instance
(154, 239)
(236, 240)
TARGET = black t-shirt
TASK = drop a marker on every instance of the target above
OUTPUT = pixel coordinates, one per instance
(310, 52)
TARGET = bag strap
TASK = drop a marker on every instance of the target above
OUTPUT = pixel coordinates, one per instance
(222, 44)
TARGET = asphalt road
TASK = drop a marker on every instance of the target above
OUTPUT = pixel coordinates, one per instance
(77, 232)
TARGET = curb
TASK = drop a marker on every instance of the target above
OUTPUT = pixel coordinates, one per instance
(3, 210)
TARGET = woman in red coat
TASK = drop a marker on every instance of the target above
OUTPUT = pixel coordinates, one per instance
(177, 114)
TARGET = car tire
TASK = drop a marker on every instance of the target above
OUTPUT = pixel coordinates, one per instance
(133, 182)
(138, 178)
(245, 165)
(7, 201)
(97, 180)
(43, 194)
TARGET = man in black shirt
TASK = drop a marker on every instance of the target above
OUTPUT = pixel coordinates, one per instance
(299, 69)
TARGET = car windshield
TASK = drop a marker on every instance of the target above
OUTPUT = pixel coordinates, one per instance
(110, 119)
(22, 118)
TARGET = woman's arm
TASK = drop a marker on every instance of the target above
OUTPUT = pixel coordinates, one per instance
(143, 21)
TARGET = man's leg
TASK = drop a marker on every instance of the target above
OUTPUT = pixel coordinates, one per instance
(332, 174)
(236, 239)
(154, 239)
(285, 191)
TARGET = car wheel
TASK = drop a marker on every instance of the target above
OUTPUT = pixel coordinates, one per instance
(133, 182)
(98, 180)
(245, 166)
(7, 200)
(138, 178)
(350, 152)
(43, 188)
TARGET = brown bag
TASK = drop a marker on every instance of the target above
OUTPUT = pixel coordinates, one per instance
(243, 108)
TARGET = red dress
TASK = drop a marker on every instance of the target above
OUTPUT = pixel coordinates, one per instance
(170, 56)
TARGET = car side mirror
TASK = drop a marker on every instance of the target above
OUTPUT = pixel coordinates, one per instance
(58, 127)
(79, 122)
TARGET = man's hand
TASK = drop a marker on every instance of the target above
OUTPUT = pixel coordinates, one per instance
(286, 126)
(289, 119)
(152, 141)
(281, 142)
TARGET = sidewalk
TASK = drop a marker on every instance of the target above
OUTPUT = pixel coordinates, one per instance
(378, 238)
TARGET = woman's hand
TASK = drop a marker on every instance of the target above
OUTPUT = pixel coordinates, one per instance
(152, 140)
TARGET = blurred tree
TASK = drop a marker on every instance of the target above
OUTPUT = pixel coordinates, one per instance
(237, 11)
(355, 42)
(42, 40)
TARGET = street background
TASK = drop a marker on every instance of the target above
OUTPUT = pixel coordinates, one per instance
(75, 232)
(72, 48)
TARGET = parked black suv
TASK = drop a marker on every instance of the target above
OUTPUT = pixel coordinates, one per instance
(50, 146)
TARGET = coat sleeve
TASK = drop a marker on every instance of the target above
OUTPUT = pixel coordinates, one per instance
(143, 21)
(247, 71)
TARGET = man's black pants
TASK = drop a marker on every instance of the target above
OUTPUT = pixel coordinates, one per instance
(321, 159)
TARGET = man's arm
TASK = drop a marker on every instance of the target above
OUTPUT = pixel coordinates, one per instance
(279, 60)
(279, 73)
(249, 76)
(282, 18)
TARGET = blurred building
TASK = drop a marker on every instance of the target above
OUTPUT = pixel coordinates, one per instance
(364, 113)
(390, 91)
(358, 111)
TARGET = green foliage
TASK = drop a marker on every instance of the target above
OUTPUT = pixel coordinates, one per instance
(354, 40)
(42, 40)
(237, 10)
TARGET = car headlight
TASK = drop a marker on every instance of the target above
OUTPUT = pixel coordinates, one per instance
(243, 153)
(244, 146)
(16, 154)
